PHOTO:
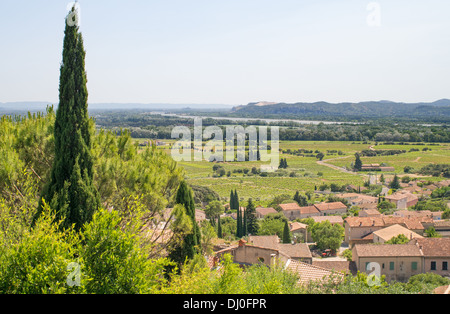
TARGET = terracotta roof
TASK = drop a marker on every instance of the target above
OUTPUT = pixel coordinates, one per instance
(308, 210)
(442, 290)
(331, 219)
(442, 223)
(375, 250)
(413, 223)
(348, 195)
(265, 241)
(395, 230)
(368, 206)
(338, 266)
(330, 206)
(434, 246)
(308, 273)
(371, 211)
(297, 226)
(290, 206)
(401, 195)
(364, 221)
(298, 250)
(265, 211)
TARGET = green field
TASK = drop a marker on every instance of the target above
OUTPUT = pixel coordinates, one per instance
(308, 173)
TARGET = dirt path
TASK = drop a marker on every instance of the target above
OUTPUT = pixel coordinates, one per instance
(342, 169)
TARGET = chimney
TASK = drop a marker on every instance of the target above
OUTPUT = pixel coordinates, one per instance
(242, 242)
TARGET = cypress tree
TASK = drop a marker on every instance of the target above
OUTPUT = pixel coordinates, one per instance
(70, 191)
(219, 229)
(191, 242)
(239, 225)
(232, 204)
(251, 219)
(358, 162)
(286, 233)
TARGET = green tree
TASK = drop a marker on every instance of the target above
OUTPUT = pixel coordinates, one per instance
(71, 192)
(219, 228)
(327, 236)
(385, 207)
(286, 233)
(214, 210)
(358, 162)
(395, 184)
(400, 239)
(251, 219)
(192, 241)
(432, 233)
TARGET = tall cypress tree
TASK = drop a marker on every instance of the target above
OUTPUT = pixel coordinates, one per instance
(251, 219)
(358, 162)
(286, 233)
(70, 191)
(219, 229)
(191, 241)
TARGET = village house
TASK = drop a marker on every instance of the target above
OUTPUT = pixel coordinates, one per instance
(401, 261)
(376, 167)
(436, 254)
(267, 250)
(386, 234)
(396, 261)
(262, 212)
(356, 228)
(332, 219)
(293, 211)
(442, 227)
(403, 199)
(299, 231)
(360, 229)
(372, 212)
(334, 208)
(422, 213)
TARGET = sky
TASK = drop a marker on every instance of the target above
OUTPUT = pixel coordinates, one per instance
(232, 51)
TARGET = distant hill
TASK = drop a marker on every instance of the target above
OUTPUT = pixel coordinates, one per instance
(439, 110)
(41, 106)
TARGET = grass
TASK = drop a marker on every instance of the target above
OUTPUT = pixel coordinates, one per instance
(264, 189)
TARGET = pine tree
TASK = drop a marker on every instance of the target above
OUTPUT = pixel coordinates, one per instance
(286, 233)
(191, 242)
(71, 192)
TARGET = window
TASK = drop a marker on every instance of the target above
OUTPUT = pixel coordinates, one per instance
(261, 260)
(444, 265)
(391, 266)
(414, 265)
(433, 265)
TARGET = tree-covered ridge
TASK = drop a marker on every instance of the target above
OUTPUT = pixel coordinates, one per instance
(148, 125)
(435, 111)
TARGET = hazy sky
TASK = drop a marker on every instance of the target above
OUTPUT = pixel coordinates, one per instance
(231, 51)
